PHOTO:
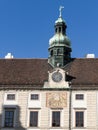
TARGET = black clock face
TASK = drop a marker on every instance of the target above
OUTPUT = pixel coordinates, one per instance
(57, 76)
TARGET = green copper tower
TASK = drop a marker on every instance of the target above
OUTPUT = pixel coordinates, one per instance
(59, 44)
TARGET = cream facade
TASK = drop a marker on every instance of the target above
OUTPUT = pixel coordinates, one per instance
(22, 106)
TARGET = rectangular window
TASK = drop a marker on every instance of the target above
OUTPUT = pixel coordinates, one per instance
(34, 96)
(79, 96)
(34, 118)
(79, 119)
(9, 118)
(10, 96)
(56, 119)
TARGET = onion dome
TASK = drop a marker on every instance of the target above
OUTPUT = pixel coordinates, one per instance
(59, 45)
(59, 20)
(58, 39)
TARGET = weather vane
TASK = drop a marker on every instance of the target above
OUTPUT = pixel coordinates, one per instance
(60, 9)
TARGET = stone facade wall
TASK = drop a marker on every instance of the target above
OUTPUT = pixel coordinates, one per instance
(1, 104)
(45, 112)
(89, 105)
(91, 110)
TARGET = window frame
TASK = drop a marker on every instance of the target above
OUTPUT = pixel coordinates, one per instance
(57, 121)
(11, 98)
(60, 29)
(35, 98)
(5, 118)
(58, 51)
(79, 96)
(79, 120)
(51, 52)
(61, 110)
(37, 120)
(51, 121)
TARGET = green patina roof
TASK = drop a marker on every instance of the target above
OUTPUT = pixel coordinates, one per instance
(60, 20)
(60, 39)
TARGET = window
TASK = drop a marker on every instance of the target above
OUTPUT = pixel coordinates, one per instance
(9, 118)
(63, 30)
(51, 53)
(56, 30)
(79, 96)
(34, 118)
(58, 51)
(59, 29)
(56, 119)
(34, 96)
(10, 96)
(79, 119)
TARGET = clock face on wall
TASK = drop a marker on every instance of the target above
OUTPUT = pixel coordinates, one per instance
(57, 77)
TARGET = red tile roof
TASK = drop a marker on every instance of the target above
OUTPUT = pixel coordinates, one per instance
(85, 71)
(23, 71)
(34, 72)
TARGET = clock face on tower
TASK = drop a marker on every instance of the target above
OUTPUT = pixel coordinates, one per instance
(56, 76)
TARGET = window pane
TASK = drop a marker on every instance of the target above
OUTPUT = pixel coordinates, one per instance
(34, 96)
(51, 53)
(79, 96)
(11, 97)
(58, 51)
(34, 118)
(55, 118)
(59, 29)
(79, 119)
(9, 118)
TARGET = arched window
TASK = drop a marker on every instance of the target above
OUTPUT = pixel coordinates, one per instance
(58, 51)
(63, 30)
(56, 30)
(51, 53)
(59, 29)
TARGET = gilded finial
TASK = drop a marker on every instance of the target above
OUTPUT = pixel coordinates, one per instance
(60, 9)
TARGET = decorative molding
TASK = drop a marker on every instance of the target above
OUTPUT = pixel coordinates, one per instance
(57, 83)
(56, 99)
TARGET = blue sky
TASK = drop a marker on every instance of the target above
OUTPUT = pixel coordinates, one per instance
(27, 25)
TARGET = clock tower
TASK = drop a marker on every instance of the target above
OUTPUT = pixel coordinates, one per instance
(59, 44)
